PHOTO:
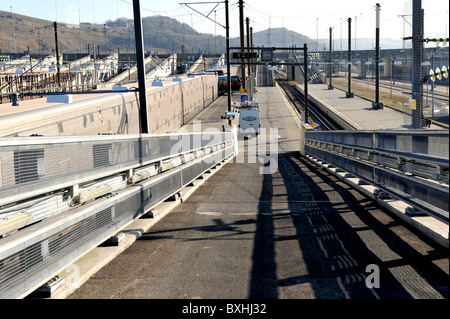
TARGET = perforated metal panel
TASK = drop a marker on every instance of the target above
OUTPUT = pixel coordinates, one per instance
(34, 165)
(31, 256)
(29, 263)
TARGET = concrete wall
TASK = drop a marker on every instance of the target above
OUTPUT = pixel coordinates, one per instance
(169, 107)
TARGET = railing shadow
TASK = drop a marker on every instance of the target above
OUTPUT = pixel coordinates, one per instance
(263, 284)
(337, 249)
(332, 233)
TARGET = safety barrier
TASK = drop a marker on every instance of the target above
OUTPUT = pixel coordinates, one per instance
(410, 165)
(90, 187)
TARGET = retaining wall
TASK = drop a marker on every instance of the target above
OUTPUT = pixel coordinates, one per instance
(169, 107)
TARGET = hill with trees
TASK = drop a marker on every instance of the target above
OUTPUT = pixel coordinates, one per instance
(161, 35)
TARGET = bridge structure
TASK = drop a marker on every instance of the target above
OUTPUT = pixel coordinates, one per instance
(294, 213)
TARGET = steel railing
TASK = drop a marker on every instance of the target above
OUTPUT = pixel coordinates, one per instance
(126, 175)
(34, 165)
(412, 165)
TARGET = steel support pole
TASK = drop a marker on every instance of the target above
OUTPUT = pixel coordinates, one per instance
(377, 105)
(305, 67)
(349, 93)
(247, 21)
(227, 27)
(250, 46)
(143, 117)
(241, 26)
(330, 86)
(432, 88)
(417, 76)
(58, 69)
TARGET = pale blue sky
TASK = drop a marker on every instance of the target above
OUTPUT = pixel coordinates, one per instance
(311, 18)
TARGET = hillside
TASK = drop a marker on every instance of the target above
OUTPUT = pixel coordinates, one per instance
(39, 35)
(280, 37)
(171, 36)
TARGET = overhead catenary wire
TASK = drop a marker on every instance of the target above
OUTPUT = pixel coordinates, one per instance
(264, 21)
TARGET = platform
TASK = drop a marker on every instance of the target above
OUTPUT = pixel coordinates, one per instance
(295, 233)
(359, 111)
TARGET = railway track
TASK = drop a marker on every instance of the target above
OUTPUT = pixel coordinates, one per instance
(297, 99)
(316, 114)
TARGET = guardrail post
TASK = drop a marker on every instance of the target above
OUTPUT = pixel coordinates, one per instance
(302, 140)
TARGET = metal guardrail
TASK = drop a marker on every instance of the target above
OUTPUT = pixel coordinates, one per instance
(30, 166)
(410, 165)
(127, 176)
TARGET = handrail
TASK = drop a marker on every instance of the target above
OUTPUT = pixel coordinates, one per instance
(36, 165)
(33, 255)
(410, 165)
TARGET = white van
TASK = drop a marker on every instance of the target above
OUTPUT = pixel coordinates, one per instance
(249, 121)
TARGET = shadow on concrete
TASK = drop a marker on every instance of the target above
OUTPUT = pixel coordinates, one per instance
(337, 250)
(332, 231)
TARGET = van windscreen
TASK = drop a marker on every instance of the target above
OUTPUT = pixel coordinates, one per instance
(249, 118)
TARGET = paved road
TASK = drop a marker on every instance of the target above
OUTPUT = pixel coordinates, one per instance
(294, 232)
